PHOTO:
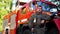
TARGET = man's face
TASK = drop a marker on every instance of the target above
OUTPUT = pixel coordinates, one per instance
(40, 9)
(36, 6)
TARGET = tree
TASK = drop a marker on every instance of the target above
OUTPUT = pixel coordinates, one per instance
(4, 10)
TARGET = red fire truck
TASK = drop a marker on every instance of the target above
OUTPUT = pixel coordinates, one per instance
(16, 22)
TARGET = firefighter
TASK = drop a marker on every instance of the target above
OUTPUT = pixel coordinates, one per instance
(37, 21)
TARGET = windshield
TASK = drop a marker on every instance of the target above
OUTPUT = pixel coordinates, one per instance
(45, 7)
(51, 0)
(56, 2)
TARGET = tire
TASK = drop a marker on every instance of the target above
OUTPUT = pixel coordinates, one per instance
(18, 30)
(39, 31)
(27, 32)
(53, 31)
(6, 31)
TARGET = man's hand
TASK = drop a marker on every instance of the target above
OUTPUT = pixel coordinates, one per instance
(32, 29)
(42, 21)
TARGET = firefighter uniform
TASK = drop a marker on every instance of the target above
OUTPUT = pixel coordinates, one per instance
(36, 20)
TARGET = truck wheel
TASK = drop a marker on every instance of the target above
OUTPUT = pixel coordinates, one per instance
(6, 31)
(27, 32)
(18, 31)
(53, 31)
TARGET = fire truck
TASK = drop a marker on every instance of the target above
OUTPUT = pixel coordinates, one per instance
(16, 22)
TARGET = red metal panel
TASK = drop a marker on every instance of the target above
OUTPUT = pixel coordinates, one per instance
(57, 22)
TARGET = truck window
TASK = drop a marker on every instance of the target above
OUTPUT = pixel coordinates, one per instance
(31, 6)
(45, 6)
(12, 21)
(24, 10)
(20, 3)
(5, 23)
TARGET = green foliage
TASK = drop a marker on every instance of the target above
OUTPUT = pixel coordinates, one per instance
(24, 11)
(4, 10)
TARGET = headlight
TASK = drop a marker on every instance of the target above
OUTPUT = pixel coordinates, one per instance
(53, 10)
(19, 21)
